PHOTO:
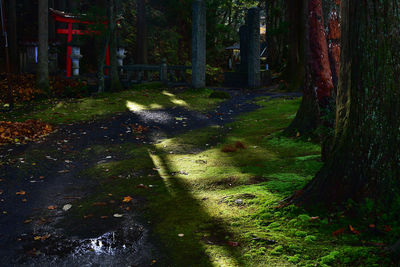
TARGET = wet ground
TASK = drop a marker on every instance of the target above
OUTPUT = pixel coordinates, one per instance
(39, 180)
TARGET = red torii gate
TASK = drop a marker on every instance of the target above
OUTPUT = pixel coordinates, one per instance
(70, 20)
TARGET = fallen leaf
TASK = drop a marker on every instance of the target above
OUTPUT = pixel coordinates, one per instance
(387, 228)
(240, 145)
(24, 200)
(88, 216)
(338, 232)
(28, 221)
(51, 207)
(103, 217)
(44, 237)
(21, 193)
(353, 230)
(127, 199)
(116, 215)
(233, 244)
(314, 218)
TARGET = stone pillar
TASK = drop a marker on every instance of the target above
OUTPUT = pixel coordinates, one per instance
(199, 44)
(164, 71)
(253, 20)
(244, 34)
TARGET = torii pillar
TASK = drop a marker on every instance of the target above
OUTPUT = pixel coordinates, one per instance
(199, 44)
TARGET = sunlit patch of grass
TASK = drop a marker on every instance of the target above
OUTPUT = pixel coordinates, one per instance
(140, 97)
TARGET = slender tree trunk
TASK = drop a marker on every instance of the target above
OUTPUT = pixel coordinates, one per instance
(12, 35)
(52, 24)
(318, 82)
(294, 73)
(307, 117)
(141, 39)
(101, 43)
(365, 158)
(42, 78)
(115, 84)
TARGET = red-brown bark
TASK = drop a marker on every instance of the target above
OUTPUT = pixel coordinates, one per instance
(320, 65)
(334, 34)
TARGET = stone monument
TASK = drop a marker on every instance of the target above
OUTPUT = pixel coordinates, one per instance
(199, 44)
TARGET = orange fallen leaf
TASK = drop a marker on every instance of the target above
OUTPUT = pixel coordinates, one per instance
(28, 221)
(127, 199)
(88, 216)
(51, 207)
(353, 230)
(371, 225)
(103, 217)
(21, 193)
(44, 237)
(338, 232)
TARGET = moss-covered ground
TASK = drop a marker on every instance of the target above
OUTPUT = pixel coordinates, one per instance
(213, 208)
(148, 96)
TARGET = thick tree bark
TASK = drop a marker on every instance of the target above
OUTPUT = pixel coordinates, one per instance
(141, 39)
(42, 78)
(115, 84)
(320, 67)
(318, 83)
(365, 159)
(12, 35)
(334, 41)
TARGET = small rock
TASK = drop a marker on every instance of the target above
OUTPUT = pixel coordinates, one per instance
(239, 201)
(67, 207)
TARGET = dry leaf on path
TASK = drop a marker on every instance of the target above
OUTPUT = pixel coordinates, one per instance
(127, 199)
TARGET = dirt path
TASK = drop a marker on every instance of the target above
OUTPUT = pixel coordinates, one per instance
(37, 177)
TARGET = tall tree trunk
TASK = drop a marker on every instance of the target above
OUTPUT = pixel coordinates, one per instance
(365, 158)
(294, 73)
(334, 41)
(42, 78)
(115, 84)
(101, 42)
(318, 82)
(141, 39)
(52, 24)
(12, 35)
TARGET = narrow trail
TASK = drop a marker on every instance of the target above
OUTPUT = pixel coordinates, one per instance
(46, 174)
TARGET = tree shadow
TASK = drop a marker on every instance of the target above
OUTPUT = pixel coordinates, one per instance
(180, 209)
